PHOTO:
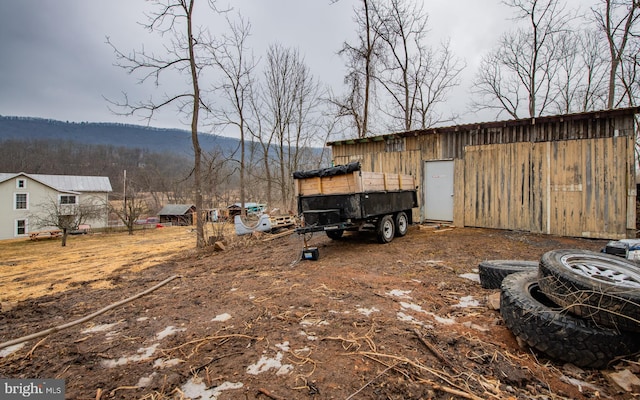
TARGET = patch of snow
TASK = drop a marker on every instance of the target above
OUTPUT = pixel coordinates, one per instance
(11, 349)
(408, 318)
(169, 330)
(196, 389)
(411, 306)
(309, 337)
(222, 317)
(399, 293)
(439, 319)
(467, 301)
(142, 319)
(144, 353)
(146, 380)
(265, 364)
(471, 277)
(367, 311)
(442, 320)
(164, 363)
(251, 297)
(283, 346)
(100, 328)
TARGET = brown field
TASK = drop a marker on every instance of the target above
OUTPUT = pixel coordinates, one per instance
(30, 269)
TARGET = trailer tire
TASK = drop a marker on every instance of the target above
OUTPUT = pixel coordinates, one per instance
(537, 321)
(600, 287)
(402, 224)
(335, 234)
(492, 272)
(385, 229)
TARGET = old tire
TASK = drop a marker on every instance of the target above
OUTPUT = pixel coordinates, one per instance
(534, 319)
(385, 229)
(402, 224)
(492, 272)
(335, 234)
(597, 286)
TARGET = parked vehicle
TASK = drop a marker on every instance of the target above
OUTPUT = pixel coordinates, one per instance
(344, 198)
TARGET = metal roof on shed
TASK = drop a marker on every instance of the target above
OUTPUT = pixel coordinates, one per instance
(175, 209)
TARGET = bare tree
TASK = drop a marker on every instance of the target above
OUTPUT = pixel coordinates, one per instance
(618, 20)
(186, 53)
(580, 82)
(361, 61)
(414, 75)
(231, 57)
(291, 96)
(67, 216)
(521, 70)
(630, 75)
(129, 211)
(264, 136)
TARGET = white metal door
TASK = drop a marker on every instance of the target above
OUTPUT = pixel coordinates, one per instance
(438, 190)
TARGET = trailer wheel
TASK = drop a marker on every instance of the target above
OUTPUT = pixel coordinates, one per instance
(402, 224)
(335, 234)
(385, 229)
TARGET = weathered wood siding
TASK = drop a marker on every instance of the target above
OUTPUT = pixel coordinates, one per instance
(570, 175)
(567, 188)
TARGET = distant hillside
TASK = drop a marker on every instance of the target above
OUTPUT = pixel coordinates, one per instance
(131, 136)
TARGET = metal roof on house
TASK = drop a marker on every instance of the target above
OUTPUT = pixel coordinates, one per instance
(175, 209)
(67, 183)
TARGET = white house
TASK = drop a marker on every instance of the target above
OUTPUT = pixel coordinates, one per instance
(23, 196)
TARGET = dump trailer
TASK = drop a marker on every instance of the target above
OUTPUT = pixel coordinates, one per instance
(344, 198)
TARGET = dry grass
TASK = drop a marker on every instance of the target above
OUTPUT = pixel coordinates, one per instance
(30, 269)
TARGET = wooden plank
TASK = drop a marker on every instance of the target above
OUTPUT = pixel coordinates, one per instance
(372, 181)
(458, 193)
(338, 184)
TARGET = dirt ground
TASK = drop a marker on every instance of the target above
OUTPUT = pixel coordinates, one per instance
(404, 320)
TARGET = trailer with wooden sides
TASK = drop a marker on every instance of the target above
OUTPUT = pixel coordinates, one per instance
(345, 198)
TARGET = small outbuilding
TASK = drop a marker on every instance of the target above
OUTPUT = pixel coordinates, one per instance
(177, 214)
(567, 175)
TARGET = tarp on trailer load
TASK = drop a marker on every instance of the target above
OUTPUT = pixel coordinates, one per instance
(331, 171)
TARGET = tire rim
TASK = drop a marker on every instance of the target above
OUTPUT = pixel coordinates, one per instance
(387, 229)
(402, 224)
(602, 269)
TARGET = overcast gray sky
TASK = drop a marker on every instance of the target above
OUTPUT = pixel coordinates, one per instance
(55, 62)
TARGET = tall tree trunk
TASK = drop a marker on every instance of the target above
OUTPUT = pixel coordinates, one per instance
(197, 151)
(243, 210)
(367, 71)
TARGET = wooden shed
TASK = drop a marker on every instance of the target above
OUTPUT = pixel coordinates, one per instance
(568, 175)
(177, 214)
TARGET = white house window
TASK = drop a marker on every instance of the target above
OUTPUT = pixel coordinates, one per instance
(21, 183)
(65, 199)
(21, 201)
(21, 227)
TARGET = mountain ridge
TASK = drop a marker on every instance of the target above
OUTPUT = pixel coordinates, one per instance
(147, 138)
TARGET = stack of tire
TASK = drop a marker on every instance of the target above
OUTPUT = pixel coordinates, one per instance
(574, 306)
